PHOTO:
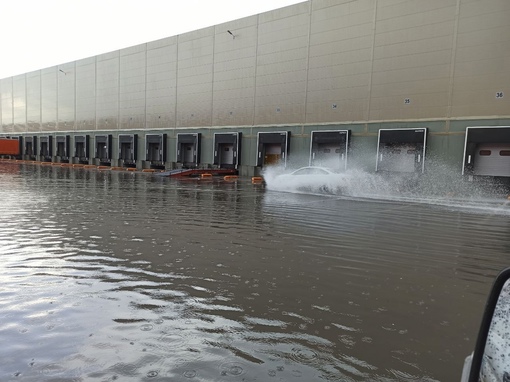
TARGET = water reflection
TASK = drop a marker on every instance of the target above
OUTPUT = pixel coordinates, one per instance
(113, 275)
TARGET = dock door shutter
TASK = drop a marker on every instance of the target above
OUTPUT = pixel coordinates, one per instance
(103, 147)
(401, 150)
(155, 147)
(487, 151)
(62, 145)
(31, 146)
(81, 146)
(128, 147)
(227, 149)
(329, 148)
(266, 145)
(45, 146)
(188, 149)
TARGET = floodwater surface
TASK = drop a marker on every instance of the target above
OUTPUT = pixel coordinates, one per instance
(131, 277)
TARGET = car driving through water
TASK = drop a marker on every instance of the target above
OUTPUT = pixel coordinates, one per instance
(310, 179)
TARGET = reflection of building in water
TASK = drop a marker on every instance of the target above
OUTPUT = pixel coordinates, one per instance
(322, 81)
(496, 362)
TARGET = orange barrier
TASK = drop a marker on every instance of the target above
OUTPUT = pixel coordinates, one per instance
(45, 163)
(257, 179)
(66, 165)
(148, 170)
(104, 168)
(90, 166)
(78, 165)
(131, 169)
(115, 168)
(230, 177)
(206, 176)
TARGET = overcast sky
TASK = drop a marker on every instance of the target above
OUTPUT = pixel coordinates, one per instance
(36, 34)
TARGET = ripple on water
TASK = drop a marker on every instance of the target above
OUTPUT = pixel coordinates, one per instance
(232, 369)
(53, 369)
(171, 341)
(304, 355)
(190, 373)
(146, 327)
(152, 374)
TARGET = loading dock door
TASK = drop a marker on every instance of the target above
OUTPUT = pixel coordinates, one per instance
(401, 150)
(62, 143)
(487, 151)
(492, 159)
(226, 152)
(398, 158)
(227, 149)
(188, 149)
(45, 145)
(329, 148)
(30, 146)
(128, 145)
(272, 148)
(103, 148)
(187, 153)
(81, 147)
(155, 148)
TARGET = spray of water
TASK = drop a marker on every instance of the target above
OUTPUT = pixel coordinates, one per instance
(440, 185)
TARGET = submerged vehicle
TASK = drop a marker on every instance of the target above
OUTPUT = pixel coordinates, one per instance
(490, 361)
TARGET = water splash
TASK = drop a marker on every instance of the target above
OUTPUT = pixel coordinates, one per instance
(440, 185)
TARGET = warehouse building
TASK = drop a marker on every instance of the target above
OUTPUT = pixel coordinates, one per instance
(385, 85)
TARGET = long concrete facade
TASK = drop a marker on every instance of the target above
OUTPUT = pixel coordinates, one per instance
(278, 86)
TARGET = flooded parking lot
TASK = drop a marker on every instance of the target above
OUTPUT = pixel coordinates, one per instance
(131, 277)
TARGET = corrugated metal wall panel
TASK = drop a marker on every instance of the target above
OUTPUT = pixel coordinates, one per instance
(107, 91)
(282, 60)
(195, 78)
(19, 103)
(66, 92)
(132, 88)
(49, 104)
(235, 59)
(33, 99)
(6, 99)
(161, 84)
(482, 57)
(85, 83)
